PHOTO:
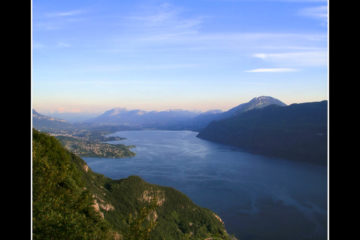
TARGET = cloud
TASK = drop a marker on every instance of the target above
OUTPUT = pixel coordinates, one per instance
(315, 12)
(168, 28)
(63, 45)
(319, 13)
(57, 20)
(272, 70)
(147, 67)
(64, 14)
(308, 58)
(193, 40)
(194, 36)
(162, 21)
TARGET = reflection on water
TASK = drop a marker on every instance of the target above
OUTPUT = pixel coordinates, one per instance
(256, 196)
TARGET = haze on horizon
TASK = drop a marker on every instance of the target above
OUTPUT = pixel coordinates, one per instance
(92, 56)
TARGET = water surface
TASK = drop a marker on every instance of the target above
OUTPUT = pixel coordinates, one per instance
(257, 197)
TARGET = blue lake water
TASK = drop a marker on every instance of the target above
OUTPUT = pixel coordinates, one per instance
(257, 197)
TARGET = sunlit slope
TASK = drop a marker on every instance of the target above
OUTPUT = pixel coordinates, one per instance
(70, 201)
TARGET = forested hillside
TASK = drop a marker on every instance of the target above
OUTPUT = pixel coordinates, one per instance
(297, 132)
(70, 201)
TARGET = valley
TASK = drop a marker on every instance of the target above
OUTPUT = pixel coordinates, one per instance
(70, 201)
(264, 125)
(253, 165)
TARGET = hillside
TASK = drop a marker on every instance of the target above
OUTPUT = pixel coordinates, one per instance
(83, 140)
(70, 201)
(297, 132)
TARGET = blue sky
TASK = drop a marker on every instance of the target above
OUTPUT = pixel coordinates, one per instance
(90, 56)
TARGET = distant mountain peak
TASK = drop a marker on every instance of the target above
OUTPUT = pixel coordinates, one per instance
(43, 122)
(256, 102)
(264, 98)
(263, 101)
(37, 115)
(114, 111)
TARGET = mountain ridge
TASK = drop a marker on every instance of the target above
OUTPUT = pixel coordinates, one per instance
(256, 102)
(202, 120)
(297, 131)
(46, 123)
(176, 119)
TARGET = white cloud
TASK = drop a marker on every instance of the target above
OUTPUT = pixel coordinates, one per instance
(64, 14)
(171, 28)
(272, 70)
(309, 59)
(57, 20)
(162, 20)
(147, 67)
(63, 45)
(320, 12)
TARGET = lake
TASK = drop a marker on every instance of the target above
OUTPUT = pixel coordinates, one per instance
(256, 196)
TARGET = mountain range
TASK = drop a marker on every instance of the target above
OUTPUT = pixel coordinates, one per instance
(176, 119)
(144, 119)
(264, 125)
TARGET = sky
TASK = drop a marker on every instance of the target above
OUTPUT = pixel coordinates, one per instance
(91, 56)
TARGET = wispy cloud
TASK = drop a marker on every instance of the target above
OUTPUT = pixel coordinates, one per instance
(195, 36)
(315, 12)
(196, 41)
(171, 28)
(146, 67)
(63, 45)
(64, 13)
(320, 13)
(57, 20)
(164, 18)
(312, 58)
(272, 70)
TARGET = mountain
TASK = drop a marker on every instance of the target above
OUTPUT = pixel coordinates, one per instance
(255, 103)
(297, 132)
(143, 119)
(139, 119)
(70, 201)
(46, 123)
(73, 117)
(175, 119)
(202, 120)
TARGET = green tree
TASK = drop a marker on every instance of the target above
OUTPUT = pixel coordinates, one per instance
(62, 208)
(143, 222)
